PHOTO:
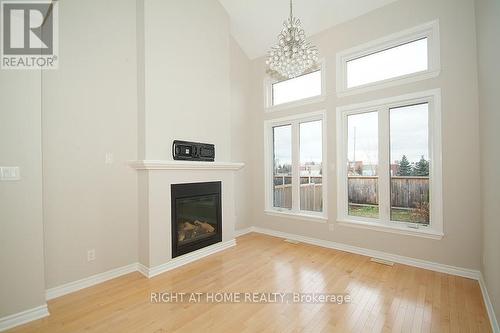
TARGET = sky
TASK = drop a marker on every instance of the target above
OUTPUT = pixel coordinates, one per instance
(401, 60)
(310, 142)
(408, 135)
(301, 87)
(283, 144)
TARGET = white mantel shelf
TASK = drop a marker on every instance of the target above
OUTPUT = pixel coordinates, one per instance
(184, 165)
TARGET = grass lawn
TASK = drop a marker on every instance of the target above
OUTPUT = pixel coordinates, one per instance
(403, 215)
(363, 211)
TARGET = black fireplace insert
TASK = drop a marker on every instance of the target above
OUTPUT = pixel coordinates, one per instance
(196, 216)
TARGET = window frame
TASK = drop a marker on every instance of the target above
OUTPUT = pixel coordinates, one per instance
(268, 92)
(295, 212)
(429, 30)
(435, 228)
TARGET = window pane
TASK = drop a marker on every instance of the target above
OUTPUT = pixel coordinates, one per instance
(304, 86)
(311, 172)
(410, 163)
(397, 61)
(362, 157)
(282, 168)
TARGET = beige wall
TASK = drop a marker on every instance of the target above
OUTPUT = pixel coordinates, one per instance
(186, 104)
(241, 118)
(488, 29)
(89, 109)
(461, 244)
(22, 284)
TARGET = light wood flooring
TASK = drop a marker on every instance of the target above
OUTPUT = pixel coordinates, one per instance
(384, 298)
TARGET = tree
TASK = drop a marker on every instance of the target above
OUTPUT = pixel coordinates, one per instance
(421, 168)
(404, 167)
(359, 170)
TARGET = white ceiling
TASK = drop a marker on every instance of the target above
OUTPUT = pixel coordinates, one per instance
(255, 24)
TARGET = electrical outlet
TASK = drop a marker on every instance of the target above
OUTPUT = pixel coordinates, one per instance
(108, 158)
(91, 255)
(330, 227)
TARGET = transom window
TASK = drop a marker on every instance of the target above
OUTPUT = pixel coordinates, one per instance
(389, 168)
(304, 86)
(295, 179)
(396, 61)
(307, 88)
(403, 57)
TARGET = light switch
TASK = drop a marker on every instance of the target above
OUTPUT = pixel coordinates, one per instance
(108, 158)
(9, 173)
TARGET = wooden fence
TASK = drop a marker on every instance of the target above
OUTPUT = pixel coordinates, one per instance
(282, 196)
(406, 191)
(363, 190)
(311, 193)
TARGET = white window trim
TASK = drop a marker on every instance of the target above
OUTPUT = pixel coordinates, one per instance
(435, 229)
(295, 212)
(268, 93)
(428, 30)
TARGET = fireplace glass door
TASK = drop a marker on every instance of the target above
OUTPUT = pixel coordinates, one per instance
(196, 218)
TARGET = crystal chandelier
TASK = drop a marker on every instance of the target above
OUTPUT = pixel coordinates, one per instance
(293, 54)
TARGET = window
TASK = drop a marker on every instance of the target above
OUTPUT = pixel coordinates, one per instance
(282, 166)
(397, 61)
(307, 88)
(304, 86)
(362, 164)
(409, 142)
(295, 181)
(389, 165)
(400, 58)
(311, 165)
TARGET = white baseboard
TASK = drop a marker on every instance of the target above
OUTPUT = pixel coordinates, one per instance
(241, 232)
(23, 317)
(136, 267)
(464, 272)
(142, 269)
(188, 258)
(89, 281)
(489, 306)
(42, 311)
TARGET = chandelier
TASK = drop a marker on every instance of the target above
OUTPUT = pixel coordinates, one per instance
(293, 54)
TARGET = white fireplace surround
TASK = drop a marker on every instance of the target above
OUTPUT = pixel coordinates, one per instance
(185, 165)
(155, 179)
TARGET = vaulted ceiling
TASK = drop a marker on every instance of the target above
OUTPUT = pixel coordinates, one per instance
(255, 24)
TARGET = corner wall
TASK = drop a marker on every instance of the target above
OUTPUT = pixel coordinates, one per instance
(22, 284)
(488, 48)
(89, 108)
(241, 120)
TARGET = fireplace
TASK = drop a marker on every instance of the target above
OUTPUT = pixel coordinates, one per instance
(196, 216)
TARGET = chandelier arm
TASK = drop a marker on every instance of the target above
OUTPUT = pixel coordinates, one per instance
(293, 54)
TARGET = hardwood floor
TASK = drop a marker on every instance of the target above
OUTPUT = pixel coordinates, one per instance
(384, 298)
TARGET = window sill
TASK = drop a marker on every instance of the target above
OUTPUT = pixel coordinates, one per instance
(294, 104)
(298, 216)
(402, 230)
(392, 82)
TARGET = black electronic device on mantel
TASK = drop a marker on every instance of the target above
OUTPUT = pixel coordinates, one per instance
(193, 151)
